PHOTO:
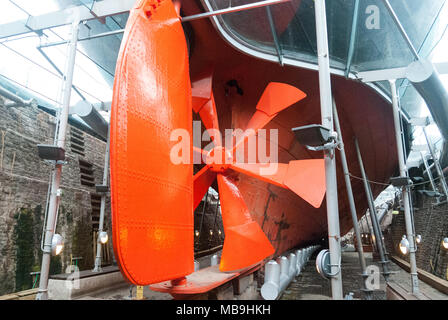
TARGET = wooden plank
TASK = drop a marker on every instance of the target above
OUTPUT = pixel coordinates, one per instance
(21, 295)
(432, 280)
(9, 297)
(27, 292)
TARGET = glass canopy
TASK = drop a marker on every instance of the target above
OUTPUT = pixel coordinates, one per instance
(362, 37)
(34, 69)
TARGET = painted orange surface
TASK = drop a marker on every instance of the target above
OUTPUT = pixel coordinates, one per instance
(245, 243)
(152, 198)
(200, 281)
(287, 219)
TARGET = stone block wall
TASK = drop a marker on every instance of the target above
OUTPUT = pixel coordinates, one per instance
(431, 222)
(24, 180)
(212, 232)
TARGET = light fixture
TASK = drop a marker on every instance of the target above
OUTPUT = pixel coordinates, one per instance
(418, 238)
(211, 232)
(445, 243)
(50, 152)
(196, 233)
(314, 135)
(103, 237)
(57, 244)
(323, 265)
(219, 232)
(404, 245)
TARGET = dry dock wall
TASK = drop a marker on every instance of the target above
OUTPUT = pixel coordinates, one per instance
(24, 181)
(431, 222)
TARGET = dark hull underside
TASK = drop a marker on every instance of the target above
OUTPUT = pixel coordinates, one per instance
(286, 219)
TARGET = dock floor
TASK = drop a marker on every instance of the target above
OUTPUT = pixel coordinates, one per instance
(309, 285)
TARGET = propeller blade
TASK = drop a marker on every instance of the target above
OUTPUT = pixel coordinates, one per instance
(256, 170)
(275, 98)
(201, 90)
(306, 178)
(201, 182)
(204, 104)
(245, 243)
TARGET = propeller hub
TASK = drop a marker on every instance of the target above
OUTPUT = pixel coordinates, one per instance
(219, 159)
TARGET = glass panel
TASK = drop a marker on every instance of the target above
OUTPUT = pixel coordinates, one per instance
(250, 26)
(378, 44)
(28, 67)
(29, 74)
(9, 13)
(36, 8)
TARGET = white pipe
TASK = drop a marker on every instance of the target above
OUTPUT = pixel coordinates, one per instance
(270, 288)
(214, 260)
(196, 265)
(17, 101)
(284, 272)
(292, 265)
(280, 273)
(299, 261)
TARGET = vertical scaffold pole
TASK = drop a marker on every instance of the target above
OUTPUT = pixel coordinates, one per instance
(351, 201)
(334, 238)
(436, 164)
(428, 171)
(56, 177)
(406, 191)
(373, 217)
(97, 267)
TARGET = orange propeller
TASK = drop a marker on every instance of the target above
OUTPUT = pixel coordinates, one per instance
(245, 243)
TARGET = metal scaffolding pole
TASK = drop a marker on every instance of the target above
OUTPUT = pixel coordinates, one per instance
(202, 216)
(351, 201)
(428, 171)
(373, 216)
(334, 238)
(436, 164)
(406, 191)
(56, 177)
(243, 7)
(375, 221)
(97, 267)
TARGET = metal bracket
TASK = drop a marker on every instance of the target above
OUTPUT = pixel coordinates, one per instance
(328, 146)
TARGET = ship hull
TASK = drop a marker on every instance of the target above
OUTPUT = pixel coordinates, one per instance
(238, 82)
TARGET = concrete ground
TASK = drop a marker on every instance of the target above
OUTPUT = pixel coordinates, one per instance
(125, 293)
(309, 285)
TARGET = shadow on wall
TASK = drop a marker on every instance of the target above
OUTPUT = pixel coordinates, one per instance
(27, 236)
